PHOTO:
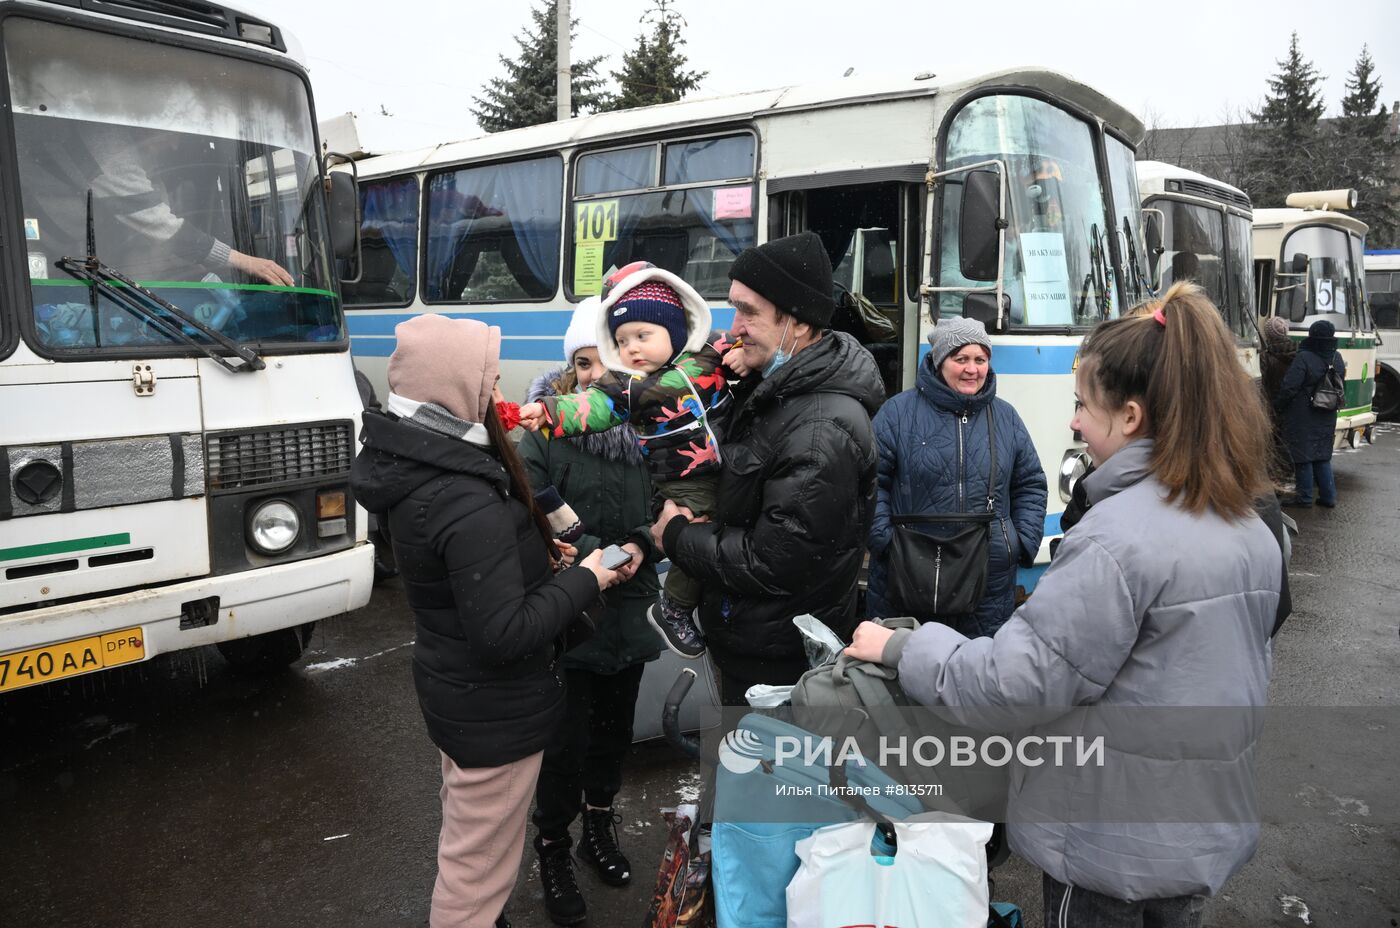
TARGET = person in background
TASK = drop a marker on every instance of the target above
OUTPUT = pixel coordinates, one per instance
(1164, 595)
(935, 459)
(601, 478)
(491, 613)
(797, 484)
(1308, 431)
(1276, 356)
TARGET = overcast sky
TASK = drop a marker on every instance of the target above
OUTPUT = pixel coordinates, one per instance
(1174, 63)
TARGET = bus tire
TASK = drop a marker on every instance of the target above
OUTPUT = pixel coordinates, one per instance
(268, 652)
(1386, 401)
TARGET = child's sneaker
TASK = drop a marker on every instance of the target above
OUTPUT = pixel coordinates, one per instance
(677, 628)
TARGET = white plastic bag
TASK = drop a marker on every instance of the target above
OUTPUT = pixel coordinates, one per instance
(936, 879)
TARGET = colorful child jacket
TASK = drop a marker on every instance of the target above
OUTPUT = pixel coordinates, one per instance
(675, 411)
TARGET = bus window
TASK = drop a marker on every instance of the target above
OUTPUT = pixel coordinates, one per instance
(1383, 292)
(1058, 259)
(1122, 176)
(1194, 237)
(686, 206)
(388, 243)
(1240, 292)
(493, 232)
(1330, 275)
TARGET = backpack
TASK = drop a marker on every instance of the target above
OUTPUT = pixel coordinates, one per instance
(823, 702)
(1330, 391)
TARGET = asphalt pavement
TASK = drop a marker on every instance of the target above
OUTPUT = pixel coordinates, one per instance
(176, 793)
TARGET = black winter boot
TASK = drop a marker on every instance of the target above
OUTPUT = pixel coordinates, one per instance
(562, 900)
(598, 846)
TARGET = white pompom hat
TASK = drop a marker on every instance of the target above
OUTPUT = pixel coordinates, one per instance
(583, 328)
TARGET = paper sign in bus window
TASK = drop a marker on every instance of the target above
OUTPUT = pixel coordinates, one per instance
(734, 203)
(588, 268)
(1047, 279)
(1325, 293)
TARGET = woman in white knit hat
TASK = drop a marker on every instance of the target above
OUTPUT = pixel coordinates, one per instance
(600, 479)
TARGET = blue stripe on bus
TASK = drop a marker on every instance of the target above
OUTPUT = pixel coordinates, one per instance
(512, 349)
(1027, 359)
(536, 335)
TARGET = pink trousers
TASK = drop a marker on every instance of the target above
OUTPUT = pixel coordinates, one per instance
(483, 836)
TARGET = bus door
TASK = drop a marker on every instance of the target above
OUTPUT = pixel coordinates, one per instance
(870, 234)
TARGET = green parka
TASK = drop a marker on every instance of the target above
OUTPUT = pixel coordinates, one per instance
(602, 478)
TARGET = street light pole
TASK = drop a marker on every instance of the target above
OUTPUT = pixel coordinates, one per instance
(563, 108)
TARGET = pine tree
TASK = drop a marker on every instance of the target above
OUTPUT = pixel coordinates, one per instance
(1289, 152)
(526, 95)
(655, 71)
(1366, 156)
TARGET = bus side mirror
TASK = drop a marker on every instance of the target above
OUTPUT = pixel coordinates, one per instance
(982, 307)
(1298, 264)
(979, 228)
(343, 205)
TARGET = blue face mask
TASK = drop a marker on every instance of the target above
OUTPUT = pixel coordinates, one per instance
(780, 357)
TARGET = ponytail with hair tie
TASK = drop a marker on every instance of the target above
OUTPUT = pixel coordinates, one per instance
(1208, 423)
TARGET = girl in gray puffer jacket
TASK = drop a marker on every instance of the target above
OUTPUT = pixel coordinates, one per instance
(1162, 596)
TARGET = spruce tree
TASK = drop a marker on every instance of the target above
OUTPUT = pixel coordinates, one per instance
(1289, 152)
(655, 71)
(526, 95)
(1366, 156)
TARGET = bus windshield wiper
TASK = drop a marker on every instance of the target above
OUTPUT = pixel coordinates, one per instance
(142, 302)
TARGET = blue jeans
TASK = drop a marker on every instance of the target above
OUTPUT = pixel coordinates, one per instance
(1303, 477)
(1077, 907)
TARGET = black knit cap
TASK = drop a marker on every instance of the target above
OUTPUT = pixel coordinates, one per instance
(794, 273)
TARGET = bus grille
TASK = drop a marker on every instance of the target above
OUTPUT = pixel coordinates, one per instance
(237, 460)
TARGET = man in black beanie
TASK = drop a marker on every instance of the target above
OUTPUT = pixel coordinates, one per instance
(797, 485)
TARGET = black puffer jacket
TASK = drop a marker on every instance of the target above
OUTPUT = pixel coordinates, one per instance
(489, 610)
(795, 501)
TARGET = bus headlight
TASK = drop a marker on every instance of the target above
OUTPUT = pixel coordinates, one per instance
(1072, 469)
(274, 527)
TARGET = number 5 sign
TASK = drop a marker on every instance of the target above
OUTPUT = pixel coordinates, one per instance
(595, 221)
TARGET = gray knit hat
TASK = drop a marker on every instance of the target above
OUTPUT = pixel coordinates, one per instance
(951, 334)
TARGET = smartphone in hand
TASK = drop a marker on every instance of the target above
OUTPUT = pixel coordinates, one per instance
(615, 556)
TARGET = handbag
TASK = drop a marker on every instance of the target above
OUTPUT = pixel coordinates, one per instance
(1330, 391)
(941, 571)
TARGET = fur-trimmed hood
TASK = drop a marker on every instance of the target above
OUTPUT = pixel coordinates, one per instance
(617, 444)
(697, 314)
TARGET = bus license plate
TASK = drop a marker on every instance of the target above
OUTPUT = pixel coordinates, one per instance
(71, 658)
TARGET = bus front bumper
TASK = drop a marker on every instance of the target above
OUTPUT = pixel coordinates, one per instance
(248, 603)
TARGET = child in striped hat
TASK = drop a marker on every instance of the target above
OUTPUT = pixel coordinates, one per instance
(666, 377)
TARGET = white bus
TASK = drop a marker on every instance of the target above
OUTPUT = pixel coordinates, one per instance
(1383, 296)
(1307, 266)
(176, 431)
(1198, 228)
(1010, 196)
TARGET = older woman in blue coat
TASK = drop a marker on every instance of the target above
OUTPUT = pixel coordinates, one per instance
(935, 460)
(1308, 432)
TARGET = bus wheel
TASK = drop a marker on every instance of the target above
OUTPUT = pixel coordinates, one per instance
(268, 652)
(1386, 401)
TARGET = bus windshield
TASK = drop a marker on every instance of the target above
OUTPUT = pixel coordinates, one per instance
(188, 173)
(1059, 266)
(1326, 253)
